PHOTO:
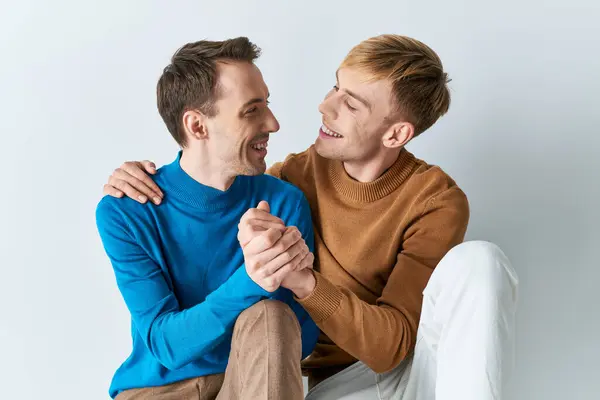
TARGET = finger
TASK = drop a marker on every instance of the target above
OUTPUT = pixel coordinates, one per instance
(263, 242)
(128, 190)
(248, 232)
(306, 262)
(111, 191)
(264, 206)
(252, 228)
(150, 189)
(261, 223)
(270, 244)
(254, 213)
(302, 260)
(298, 260)
(132, 181)
(281, 259)
(292, 228)
(278, 276)
(287, 240)
(149, 166)
(300, 256)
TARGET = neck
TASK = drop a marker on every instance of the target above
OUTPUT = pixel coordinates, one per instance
(201, 168)
(371, 170)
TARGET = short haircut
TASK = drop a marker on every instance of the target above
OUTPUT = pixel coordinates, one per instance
(189, 81)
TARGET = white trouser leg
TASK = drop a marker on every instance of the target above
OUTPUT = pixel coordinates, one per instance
(359, 382)
(465, 341)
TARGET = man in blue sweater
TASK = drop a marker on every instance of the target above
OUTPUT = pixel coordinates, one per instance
(210, 320)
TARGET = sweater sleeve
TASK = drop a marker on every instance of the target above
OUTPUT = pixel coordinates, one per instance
(175, 336)
(382, 335)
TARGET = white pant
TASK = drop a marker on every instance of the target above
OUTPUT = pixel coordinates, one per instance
(465, 338)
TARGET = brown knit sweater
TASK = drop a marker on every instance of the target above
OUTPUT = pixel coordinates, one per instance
(376, 245)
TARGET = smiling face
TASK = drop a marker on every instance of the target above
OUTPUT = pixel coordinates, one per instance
(213, 100)
(238, 133)
(389, 89)
(355, 116)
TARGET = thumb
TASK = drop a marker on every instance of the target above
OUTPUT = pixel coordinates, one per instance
(149, 166)
(263, 205)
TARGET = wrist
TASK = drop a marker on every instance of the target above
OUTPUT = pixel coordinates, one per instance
(306, 285)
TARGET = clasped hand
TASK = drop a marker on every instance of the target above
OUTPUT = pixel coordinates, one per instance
(275, 255)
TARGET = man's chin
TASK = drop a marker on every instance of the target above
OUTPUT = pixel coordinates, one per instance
(254, 169)
(327, 151)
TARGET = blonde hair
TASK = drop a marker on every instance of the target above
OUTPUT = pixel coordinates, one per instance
(419, 83)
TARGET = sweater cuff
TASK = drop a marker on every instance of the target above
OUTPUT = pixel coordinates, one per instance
(246, 285)
(323, 301)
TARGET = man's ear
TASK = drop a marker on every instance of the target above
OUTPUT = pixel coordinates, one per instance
(194, 125)
(398, 135)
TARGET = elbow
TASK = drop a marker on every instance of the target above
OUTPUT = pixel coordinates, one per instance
(167, 359)
(389, 356)
(163, 350)
(384, 364)
(171, 364)
(385, 361)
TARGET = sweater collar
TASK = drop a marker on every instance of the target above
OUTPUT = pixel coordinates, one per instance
(195, 194)
(367, 192)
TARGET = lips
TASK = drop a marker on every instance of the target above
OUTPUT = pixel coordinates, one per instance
(325, 131)
(260, 142)
(260, 146)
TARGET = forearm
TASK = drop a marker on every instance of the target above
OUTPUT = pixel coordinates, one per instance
(174, 336)
(378, 335)
(177, 338)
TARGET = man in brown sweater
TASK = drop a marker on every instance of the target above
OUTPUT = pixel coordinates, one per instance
(406, 310)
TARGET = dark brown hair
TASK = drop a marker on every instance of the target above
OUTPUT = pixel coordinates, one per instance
(419, 83)
(189, 81)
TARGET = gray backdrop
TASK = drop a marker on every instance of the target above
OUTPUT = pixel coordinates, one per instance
(77, 97)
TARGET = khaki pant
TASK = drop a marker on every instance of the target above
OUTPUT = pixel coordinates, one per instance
(264, 362)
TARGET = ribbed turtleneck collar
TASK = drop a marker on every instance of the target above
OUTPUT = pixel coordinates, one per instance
(367, 192)
(188, 190)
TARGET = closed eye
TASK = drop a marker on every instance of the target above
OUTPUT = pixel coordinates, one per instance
(337, 89)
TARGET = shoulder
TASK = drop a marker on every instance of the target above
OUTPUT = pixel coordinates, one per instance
(126, 208)
(278, 188)
(436, 188)
(292, 165)
(113, 212)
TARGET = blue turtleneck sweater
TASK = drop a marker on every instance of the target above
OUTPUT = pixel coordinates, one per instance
(180, 270)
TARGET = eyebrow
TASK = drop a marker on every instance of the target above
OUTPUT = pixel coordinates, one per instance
(352, 94)
(254, 101)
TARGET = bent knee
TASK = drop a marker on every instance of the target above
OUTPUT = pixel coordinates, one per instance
(274, 310)
(483, 263)
(269, 326)
(480, 248)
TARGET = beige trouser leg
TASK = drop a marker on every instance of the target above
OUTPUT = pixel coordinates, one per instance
(203, 388)
(264, 363)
